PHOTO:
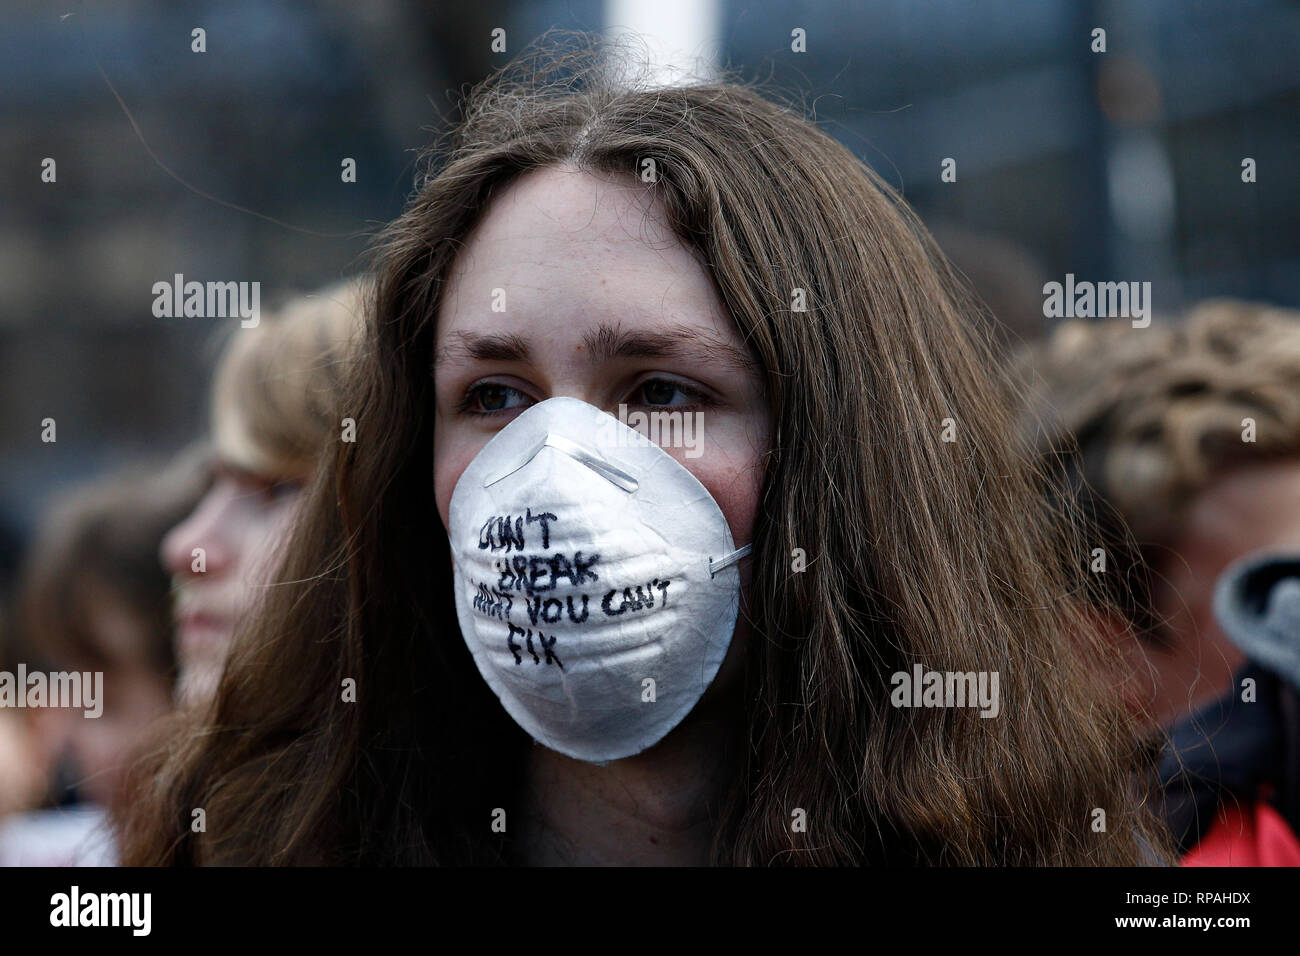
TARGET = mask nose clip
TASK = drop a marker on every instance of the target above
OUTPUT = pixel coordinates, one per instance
(616, 476)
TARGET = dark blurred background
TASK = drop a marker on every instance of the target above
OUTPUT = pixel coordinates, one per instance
(1117, 166)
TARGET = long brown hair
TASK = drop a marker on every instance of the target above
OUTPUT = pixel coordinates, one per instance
(919, 550)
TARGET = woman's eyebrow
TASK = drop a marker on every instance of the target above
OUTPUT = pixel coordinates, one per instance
(608, 342)
(603, 343)
(483, 347)
(222, 468)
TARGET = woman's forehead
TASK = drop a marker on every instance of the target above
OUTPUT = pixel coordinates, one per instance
(566, 202)
(555, 227)
(561, 253)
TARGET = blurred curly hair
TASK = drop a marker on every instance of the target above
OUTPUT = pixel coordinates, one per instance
(1139, 421)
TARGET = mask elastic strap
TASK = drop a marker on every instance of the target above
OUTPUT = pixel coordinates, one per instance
(615, 476)
(726, 561)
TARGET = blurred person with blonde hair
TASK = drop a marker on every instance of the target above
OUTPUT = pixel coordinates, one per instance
(1184, 441)
(272, 415)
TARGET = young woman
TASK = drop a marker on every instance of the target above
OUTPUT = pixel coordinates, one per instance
(272, 405)
(588, 247)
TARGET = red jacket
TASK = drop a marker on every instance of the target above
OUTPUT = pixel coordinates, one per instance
(1246, 836)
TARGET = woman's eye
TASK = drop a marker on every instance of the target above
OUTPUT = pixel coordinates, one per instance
(273, 490)
(489, 398)
(279, 490)
(661, 391)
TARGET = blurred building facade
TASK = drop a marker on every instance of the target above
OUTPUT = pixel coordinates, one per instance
(1123, 165)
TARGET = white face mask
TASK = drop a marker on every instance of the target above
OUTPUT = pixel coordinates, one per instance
(595, 580)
